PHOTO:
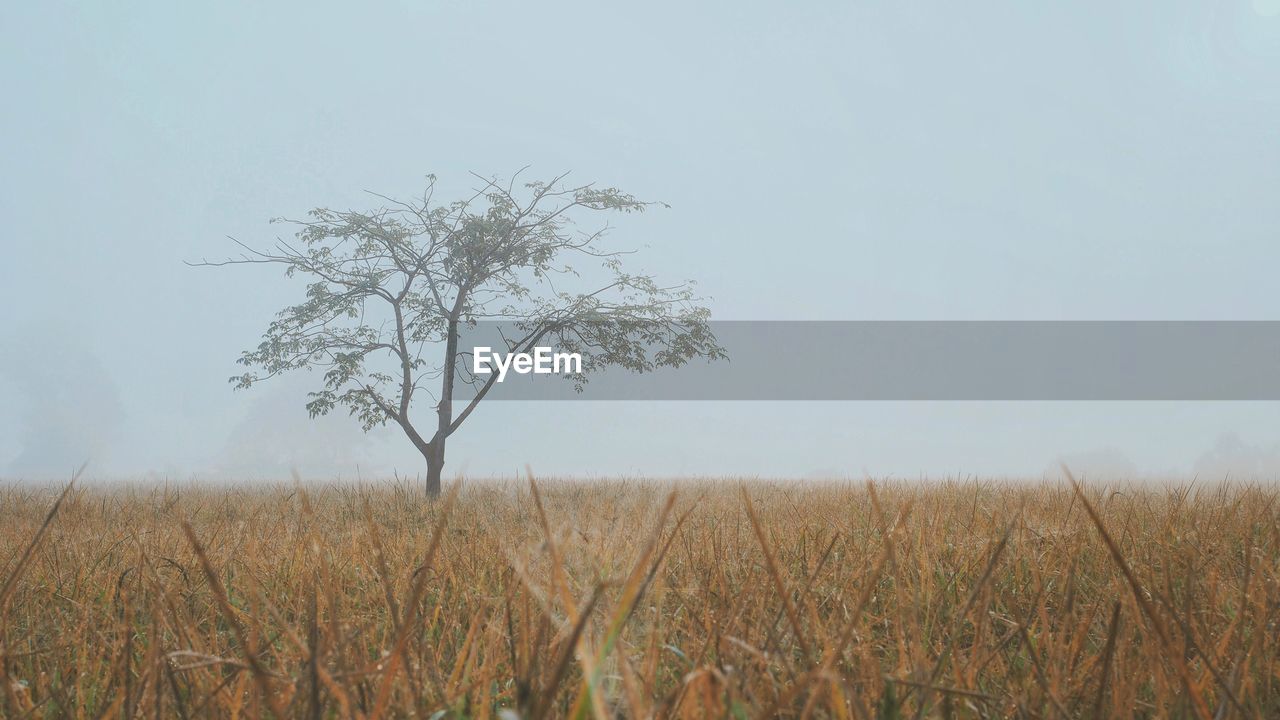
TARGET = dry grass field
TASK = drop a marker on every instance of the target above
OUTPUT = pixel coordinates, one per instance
(626, 599)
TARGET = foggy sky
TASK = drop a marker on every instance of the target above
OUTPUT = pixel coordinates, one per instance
(851, 160)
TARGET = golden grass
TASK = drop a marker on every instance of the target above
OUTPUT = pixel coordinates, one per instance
(624, 599)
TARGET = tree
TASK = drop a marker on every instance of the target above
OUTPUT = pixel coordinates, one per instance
(391, 289)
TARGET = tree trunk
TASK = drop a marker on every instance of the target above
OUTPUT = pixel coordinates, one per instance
(435, 467)
(444, 409)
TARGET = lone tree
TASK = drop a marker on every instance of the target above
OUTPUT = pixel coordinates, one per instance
(391, 289)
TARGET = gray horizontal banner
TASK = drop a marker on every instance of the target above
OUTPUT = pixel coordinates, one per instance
(927, 360)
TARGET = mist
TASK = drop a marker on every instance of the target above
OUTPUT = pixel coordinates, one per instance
(836, 161)
(63, 407)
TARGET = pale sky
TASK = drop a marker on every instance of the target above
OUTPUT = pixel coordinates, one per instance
(844, 160)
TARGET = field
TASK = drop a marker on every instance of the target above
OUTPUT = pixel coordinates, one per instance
(642, 599)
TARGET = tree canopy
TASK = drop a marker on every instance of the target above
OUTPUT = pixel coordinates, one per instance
(390, 290)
